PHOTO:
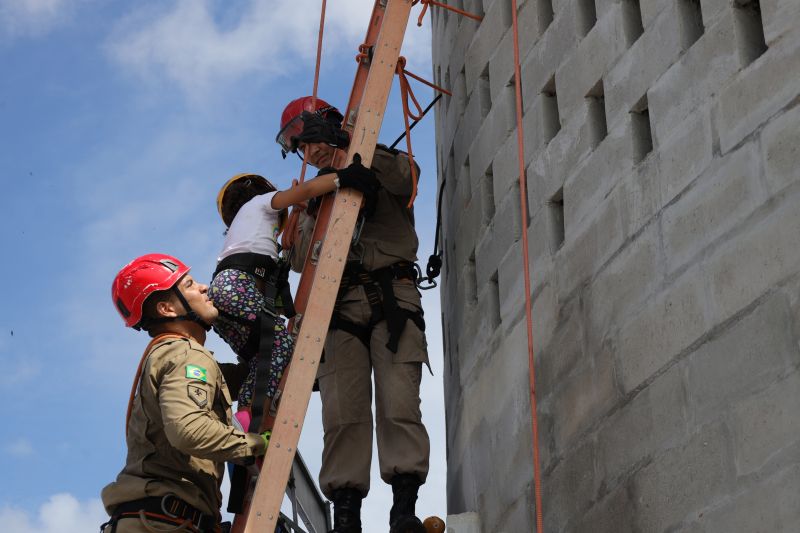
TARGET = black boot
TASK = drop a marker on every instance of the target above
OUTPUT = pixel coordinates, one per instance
(346, 511)
(402, 517)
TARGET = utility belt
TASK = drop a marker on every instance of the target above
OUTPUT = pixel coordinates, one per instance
(168, 509)
(382, 300)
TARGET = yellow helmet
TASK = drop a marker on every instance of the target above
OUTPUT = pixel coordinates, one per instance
(283, 217)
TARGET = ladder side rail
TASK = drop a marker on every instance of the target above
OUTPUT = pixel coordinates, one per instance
(323, 215)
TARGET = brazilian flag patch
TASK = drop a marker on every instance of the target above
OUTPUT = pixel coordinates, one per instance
(196, 372)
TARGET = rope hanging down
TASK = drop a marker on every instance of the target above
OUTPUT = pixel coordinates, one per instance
(407, 93)
(287, 238)
(523, 199)
(425, 4)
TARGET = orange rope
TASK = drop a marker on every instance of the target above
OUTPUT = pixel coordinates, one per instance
(523, 199)
(405, 93)
(425, 4)
(316, 78)
(287, 238)
(363, 52)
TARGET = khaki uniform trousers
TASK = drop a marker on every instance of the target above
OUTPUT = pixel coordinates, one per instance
(345, 382)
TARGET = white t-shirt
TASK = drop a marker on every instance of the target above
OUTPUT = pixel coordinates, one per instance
(254, 229)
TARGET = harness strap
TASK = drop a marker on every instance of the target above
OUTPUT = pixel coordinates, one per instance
(382, 300)
(264, 267)
(362, 333)
(236, 494)
(137, 379)
(168, 509)
(258, 265)
(266, 340)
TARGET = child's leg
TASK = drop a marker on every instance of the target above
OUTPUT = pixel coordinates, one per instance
(281, 354)
(238, 299)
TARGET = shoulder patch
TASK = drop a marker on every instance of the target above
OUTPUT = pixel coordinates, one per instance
(196, 372)
(198, 394)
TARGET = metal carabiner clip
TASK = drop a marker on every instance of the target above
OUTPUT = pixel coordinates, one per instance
(420, 279)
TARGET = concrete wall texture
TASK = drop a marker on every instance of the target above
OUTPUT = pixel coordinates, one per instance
(662, 141)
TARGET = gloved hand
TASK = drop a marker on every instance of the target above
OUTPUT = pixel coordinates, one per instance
(318, 130)
(358, 177)
(266, 436)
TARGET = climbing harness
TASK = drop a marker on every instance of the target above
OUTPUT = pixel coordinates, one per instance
(277, 294)
(382, 301)
(167, 509)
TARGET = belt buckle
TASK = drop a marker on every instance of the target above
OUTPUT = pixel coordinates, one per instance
(164, 505)
(198, 525)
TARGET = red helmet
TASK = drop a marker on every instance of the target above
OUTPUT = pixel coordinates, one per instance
(292, 123)
(139, 279)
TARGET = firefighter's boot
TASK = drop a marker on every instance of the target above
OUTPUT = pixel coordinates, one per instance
(346, 511)
(402, 518)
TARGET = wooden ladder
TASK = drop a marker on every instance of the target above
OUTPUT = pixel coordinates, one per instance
(326, 259)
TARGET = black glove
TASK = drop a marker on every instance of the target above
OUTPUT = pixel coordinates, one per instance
(362, 179)
(326, 170)
(318, 130)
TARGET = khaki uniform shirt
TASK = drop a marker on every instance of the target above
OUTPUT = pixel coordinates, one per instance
(180, 431)
(389, 235)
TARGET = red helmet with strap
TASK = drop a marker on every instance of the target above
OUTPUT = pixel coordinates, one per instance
(292, 122)
(139, 279)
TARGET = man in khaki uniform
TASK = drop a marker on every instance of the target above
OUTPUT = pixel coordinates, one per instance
(178, 430)
(377, 328)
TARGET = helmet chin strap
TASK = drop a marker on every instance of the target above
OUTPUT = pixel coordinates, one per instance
(190, 315)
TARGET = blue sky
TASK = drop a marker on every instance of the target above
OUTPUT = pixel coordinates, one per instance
(119, 121)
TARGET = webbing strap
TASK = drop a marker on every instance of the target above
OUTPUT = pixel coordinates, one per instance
(263, 363)
(238, 489)
(140, 368)
(380, 295)
(395, 318)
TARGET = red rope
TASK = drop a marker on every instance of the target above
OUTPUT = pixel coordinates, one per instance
(363, 52)
(287, 238)
(407, 93)
(523, 199)
(425, 4)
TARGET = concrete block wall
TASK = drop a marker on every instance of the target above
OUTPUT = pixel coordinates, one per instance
(662, 156)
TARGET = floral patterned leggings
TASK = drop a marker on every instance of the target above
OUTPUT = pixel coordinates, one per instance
(239, 301)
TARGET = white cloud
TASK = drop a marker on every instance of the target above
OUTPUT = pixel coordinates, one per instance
(21, 447)
(32, 17)
(62, 513)
(189, 44)
(18, 370)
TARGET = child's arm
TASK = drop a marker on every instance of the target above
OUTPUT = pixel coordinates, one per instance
(308, 189)
(355, 176)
